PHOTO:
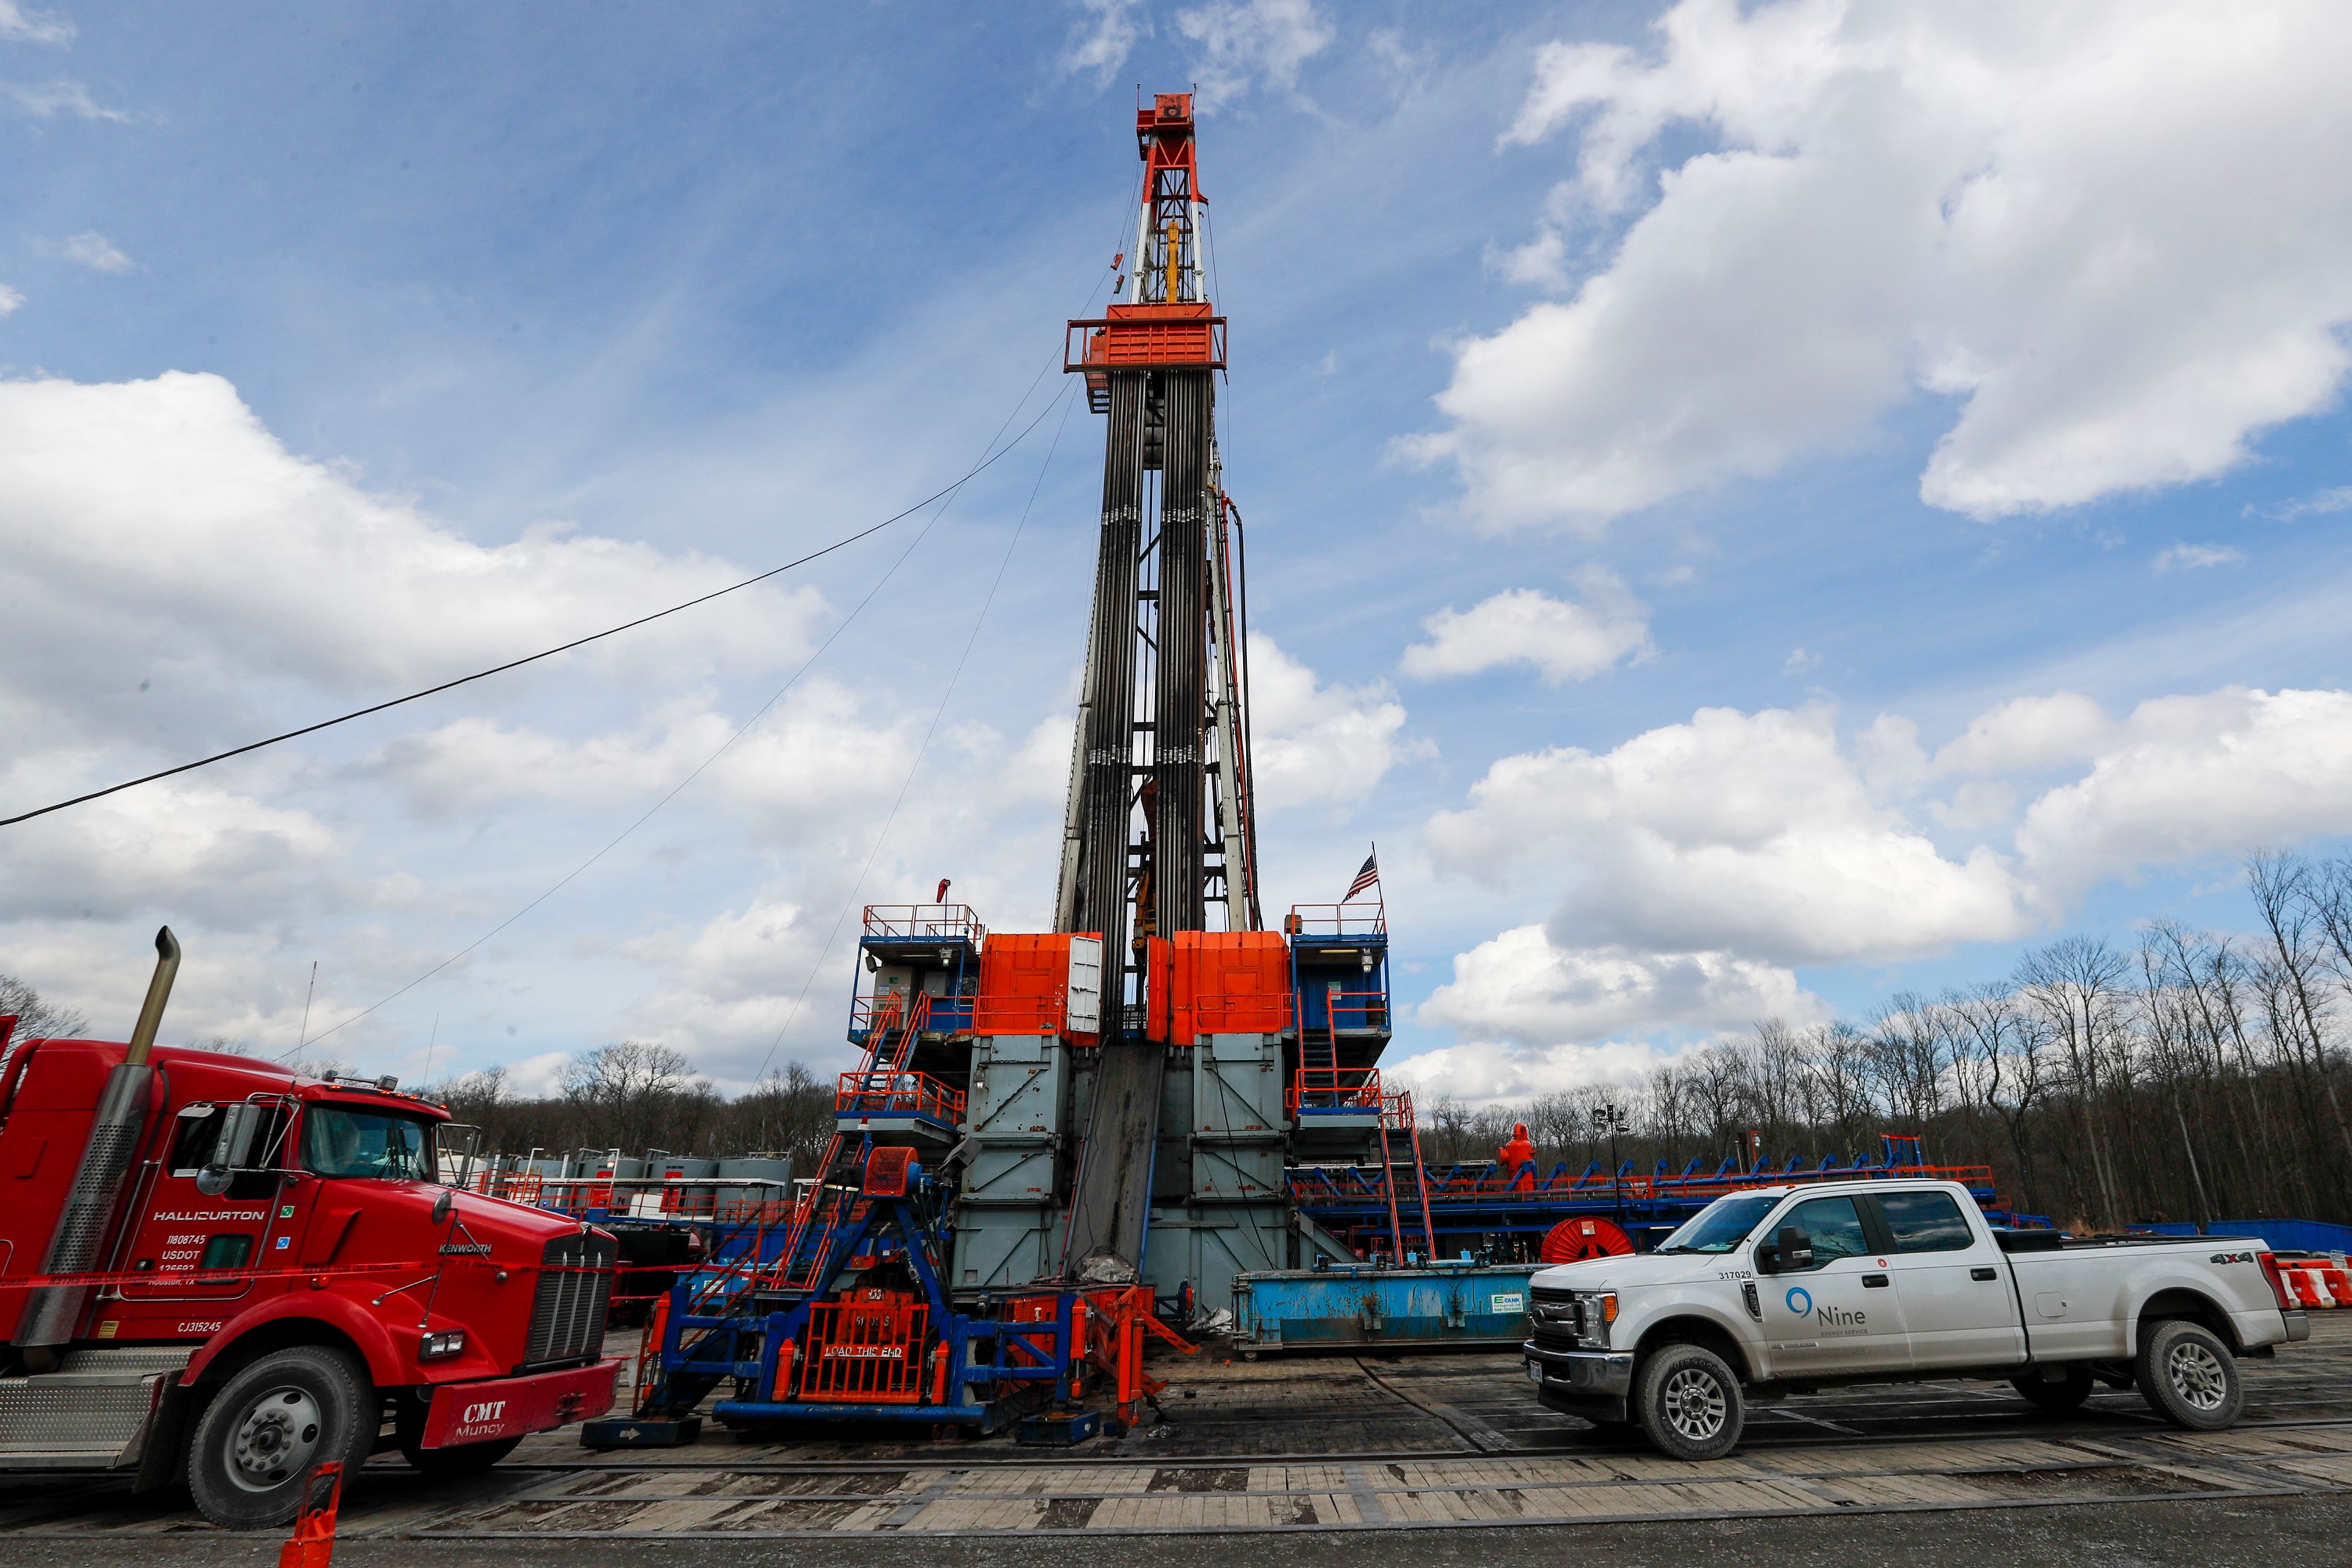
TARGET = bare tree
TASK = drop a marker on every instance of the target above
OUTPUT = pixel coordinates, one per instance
(2170, 1032)
(628, 1090)
(2073, 983)
(37, 1019)
(2291, 909)
(1837, 1068)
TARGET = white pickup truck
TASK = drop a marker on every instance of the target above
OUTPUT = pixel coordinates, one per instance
(1787, 1290)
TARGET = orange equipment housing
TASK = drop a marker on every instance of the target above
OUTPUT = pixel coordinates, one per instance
(1025, 984)
(1228, 982)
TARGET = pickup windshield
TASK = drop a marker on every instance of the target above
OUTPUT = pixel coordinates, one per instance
(1721, 1225)
(345, 1141)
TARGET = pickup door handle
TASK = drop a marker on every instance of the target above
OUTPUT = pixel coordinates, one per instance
(1873, 1281)
(1984, 1273)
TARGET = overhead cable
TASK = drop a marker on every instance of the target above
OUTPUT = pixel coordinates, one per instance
(947, 497)
(951, 489)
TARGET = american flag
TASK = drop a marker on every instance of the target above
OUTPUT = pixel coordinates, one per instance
(1370, 877)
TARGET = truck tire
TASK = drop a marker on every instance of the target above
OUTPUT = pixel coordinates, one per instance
(2057, 1395)
(274, 1421)
(462, 1459)
(2189, 1377)
(1688, 1402)
(263, 1432)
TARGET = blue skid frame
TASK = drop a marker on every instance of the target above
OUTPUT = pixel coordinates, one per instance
(999, 1370)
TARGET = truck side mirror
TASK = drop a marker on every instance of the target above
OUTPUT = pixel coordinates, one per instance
(1767, 1258)
(233, 1150)
(1796, 1249)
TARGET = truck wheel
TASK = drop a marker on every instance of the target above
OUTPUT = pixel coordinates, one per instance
(274, 1421)
(2189, 1377)
(2058, 1394)
(462, 1460)
(1688, 1402)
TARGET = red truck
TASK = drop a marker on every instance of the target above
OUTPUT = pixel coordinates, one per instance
(216, 1271)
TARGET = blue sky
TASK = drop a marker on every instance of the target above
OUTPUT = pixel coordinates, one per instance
(1753, 510)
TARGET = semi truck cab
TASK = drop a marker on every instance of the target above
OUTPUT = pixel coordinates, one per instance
(216, 1271)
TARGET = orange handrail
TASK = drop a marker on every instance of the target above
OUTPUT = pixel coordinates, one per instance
(1335, 1089)
(880, 1091)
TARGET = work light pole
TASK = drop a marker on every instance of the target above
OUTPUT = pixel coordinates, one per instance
(1611, 1119)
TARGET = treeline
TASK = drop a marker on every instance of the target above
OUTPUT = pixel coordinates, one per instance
(2189, 1076)
(638, 1095)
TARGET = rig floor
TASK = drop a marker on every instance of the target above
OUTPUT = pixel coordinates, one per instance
(1417, 1459)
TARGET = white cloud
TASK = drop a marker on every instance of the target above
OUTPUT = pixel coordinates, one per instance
(1688, 870)
(1752, 834)
(1520, 988)
(92, 249)
(46, 100)
(2030, 734)
(1976, 806)
(2194, 777)
(189, 846)
(1313, 743)
(9, 299)
(1485, 1072)
(537, 1077)
(2097, 228)
(2188, 557)
(174, 579)
(2319, 503)
(1799, 661)
(1540, 263)
(1251, 43)
(1563, 639)
(156, 527)
(1104, 35)
(729, 988)
(18, 25)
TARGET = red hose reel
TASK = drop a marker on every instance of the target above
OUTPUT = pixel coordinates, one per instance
(1575, 1240)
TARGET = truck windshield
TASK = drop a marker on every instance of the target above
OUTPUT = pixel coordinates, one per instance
(1721, 1225)
(346, 1141)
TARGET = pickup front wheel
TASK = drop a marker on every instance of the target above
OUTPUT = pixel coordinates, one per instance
(1688, 1402)
(2189, 1377)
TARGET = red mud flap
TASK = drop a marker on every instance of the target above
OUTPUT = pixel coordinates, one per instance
(511, 1407)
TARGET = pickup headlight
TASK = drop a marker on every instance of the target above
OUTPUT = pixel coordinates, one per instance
(1597, 1311)
(440, 1343)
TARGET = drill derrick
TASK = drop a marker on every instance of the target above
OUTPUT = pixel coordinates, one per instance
(1154, 834)
(1161, 659)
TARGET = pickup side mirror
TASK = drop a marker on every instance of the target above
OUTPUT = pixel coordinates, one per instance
(1796, 1249)
(1767, 1258)
(232, 1151)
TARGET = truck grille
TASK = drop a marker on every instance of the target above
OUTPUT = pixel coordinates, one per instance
(567, 1316)
(1553, 1318)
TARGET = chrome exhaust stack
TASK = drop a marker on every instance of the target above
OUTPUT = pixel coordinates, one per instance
(52, 1312)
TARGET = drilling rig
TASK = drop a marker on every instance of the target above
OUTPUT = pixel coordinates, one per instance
(1054, 1140)
(1157, 828)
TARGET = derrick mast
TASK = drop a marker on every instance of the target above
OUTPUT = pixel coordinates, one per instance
(1156, 828)
(1158, 832)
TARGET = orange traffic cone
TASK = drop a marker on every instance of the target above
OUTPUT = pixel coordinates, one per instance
(312, 1544)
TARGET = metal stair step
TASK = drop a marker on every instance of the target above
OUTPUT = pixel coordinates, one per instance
(86, 1416)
